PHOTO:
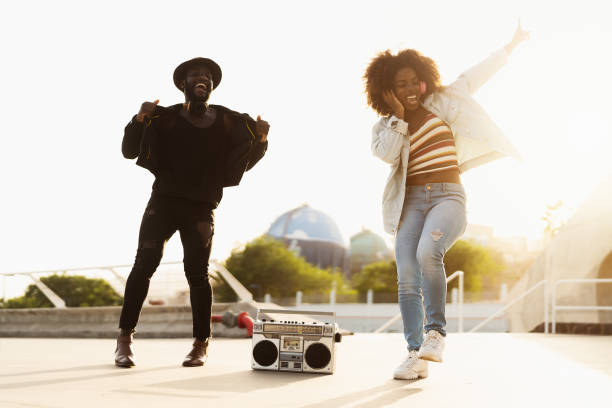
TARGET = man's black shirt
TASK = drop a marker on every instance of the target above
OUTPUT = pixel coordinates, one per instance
(191, 161)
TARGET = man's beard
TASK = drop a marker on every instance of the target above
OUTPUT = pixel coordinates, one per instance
(197, 104)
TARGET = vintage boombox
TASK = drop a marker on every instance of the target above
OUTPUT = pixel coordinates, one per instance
(294, 345)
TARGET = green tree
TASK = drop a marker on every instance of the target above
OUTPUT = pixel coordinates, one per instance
(378, 276)
(482, 266)
(483, 269)
(264, 265)
(381, 277)
(552, 219)
(76, 291)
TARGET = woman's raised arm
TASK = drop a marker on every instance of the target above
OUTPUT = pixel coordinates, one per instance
(520, 35)
(472, 79)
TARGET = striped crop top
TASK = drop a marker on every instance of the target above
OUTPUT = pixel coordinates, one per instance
(432, 148)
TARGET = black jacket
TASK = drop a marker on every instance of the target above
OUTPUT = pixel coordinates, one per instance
(141, 139)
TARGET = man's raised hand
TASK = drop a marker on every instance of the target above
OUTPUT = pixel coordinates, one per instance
(261, 129)
(146, 110)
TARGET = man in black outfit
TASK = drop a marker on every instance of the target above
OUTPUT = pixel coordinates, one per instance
(194, 150)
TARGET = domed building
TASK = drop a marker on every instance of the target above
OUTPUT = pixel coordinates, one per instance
(366, 248)
(313, 235)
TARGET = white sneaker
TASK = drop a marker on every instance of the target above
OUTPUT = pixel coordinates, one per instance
(411, 368)
(432, 347)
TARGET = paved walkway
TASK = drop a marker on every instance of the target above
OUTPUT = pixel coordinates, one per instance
(480, 370)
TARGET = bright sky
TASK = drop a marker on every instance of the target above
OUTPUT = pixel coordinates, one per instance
(74, 73)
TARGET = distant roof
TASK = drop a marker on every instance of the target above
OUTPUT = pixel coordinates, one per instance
(306, 224)
(366, 243)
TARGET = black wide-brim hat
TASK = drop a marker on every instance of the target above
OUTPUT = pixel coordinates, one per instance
(181, 71)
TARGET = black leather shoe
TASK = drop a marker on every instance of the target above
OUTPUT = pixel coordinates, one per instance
(123, 353)
(198, 354)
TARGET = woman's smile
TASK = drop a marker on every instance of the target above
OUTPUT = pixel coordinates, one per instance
(406, 86)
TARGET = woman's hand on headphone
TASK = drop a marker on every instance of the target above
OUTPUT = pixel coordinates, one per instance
(394, 103)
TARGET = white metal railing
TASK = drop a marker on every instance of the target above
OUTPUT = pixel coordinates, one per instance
(457, 274)
(215, 269)
(503, 309)
(245, 295)
(555, 307)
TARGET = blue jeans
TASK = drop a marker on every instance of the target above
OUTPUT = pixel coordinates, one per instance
(433, 218)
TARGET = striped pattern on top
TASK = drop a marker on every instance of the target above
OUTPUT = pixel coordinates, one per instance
(432, 148)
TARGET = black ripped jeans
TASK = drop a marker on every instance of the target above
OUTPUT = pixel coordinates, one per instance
(162, 218)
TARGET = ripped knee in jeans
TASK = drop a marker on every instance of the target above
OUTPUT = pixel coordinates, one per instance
(205, 229)
(436, 234)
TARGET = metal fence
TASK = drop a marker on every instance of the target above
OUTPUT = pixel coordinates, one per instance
(458, 296)
(556, 307)
(118, 280)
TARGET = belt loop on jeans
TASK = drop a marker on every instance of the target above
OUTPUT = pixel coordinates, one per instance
(444, 187)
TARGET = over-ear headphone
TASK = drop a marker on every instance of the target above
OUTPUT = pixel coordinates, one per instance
(422, 87)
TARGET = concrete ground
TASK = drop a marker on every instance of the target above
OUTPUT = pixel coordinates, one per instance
(480, 370)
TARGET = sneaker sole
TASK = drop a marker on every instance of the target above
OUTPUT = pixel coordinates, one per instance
(412, 377)
(422, 374)
(430, 357)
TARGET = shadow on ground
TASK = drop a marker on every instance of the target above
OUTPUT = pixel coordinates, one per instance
(249, 381)
(385, 394)
(240, 381)
(115, 372)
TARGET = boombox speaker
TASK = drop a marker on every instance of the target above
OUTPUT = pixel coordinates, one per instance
(294, 344)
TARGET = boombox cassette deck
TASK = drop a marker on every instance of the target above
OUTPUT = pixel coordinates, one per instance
(294, 345)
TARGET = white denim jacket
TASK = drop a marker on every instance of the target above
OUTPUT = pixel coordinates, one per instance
(478, 139)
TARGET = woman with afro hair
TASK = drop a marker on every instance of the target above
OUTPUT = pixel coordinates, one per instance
(429, 134)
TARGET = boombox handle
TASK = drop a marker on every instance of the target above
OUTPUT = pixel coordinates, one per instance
(298, 312)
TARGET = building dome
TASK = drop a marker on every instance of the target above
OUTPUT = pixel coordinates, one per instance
(312, 235)
(367, 248)
(306, 224)
(368, 243)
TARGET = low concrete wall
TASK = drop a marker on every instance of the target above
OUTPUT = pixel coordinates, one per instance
(102, 322)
